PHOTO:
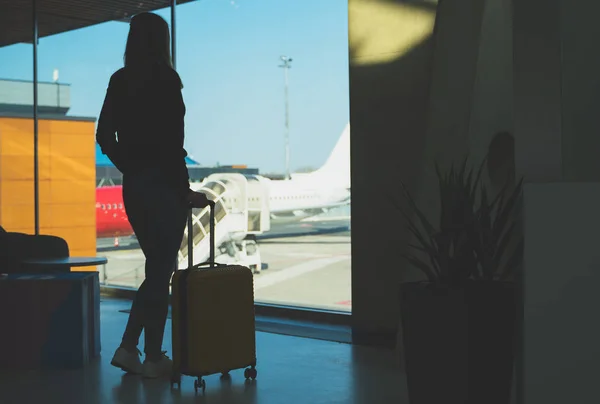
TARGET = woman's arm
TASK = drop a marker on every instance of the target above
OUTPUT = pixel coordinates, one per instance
(107, 126)
(177, 112)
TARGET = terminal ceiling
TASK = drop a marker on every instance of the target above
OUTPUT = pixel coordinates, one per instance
(58, 16)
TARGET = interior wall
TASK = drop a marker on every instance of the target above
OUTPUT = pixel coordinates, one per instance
(537, 97)
(580, 90)
(557, 93)
(562, 273)
(391, 53)
(412, 101)
(492, 105)
(458, 30)
(67, 180)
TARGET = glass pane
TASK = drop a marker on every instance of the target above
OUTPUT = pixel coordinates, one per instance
(17, 212)
(86, 205)
(239, 118)
(239, 95)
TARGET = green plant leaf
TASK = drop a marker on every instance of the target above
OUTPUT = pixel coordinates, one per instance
(514, 262)
(506, 210)
(478, 177)
(419, 264)
(485, 213)
(421, 238)
(444, 246)
(426, 246)
(463, 170)
(433, 257)
(413, 229)
(484, 236)
(428, 227)
(504, 241)
(474, 231)
(419, 248)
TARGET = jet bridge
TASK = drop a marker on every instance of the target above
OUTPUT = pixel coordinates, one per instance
(241, 212)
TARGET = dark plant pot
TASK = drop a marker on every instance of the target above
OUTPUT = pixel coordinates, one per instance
(492, 337)
(434, 329)
(458, 343)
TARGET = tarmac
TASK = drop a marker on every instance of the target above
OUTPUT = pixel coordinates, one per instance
(309, 265)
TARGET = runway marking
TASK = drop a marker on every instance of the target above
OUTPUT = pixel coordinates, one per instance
(327, 219)
(122, 255)
(301, 255)
(295, 271)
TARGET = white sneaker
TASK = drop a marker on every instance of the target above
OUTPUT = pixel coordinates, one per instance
(160, 368)
(127, 361)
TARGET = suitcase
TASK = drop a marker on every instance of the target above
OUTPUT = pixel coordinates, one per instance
(212, 312)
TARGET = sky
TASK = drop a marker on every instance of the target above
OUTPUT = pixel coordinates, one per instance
(228, 56)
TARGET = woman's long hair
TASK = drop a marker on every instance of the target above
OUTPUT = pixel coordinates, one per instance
(148, 42)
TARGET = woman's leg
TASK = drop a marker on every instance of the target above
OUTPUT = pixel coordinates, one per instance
(126, 357)
(135, 325)
(158, 218)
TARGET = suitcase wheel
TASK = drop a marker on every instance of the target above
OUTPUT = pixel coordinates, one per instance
(199, 384)
(250, 373)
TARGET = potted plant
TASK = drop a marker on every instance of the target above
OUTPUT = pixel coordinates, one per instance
(458, 326)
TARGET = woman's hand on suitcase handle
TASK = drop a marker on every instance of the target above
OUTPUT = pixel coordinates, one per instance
(198, 200)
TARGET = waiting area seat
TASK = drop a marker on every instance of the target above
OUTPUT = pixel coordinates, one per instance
(50, 315)
(15, 248)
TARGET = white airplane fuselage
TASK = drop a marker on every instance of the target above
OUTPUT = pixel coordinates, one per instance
(291, 200)
(310, 194)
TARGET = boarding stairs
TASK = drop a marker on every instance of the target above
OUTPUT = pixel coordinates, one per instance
(241, 213)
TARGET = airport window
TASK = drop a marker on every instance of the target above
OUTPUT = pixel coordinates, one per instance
(78, 79)
(271, 36)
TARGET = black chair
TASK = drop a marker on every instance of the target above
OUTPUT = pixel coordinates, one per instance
(16, 247)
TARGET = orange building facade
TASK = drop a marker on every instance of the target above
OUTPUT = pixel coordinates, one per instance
(67, 179)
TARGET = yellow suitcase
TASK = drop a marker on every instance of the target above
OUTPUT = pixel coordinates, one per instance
(213, 323)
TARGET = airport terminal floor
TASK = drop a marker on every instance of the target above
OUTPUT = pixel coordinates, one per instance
(291, 370)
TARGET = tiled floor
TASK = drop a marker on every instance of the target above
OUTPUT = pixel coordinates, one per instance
(291, 370)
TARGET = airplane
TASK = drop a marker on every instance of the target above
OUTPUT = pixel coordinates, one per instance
(111, 218)
(302, 196)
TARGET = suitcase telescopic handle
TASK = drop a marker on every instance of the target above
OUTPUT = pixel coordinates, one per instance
(190, 243)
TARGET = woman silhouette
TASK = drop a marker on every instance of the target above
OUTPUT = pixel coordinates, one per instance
(145, 109)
